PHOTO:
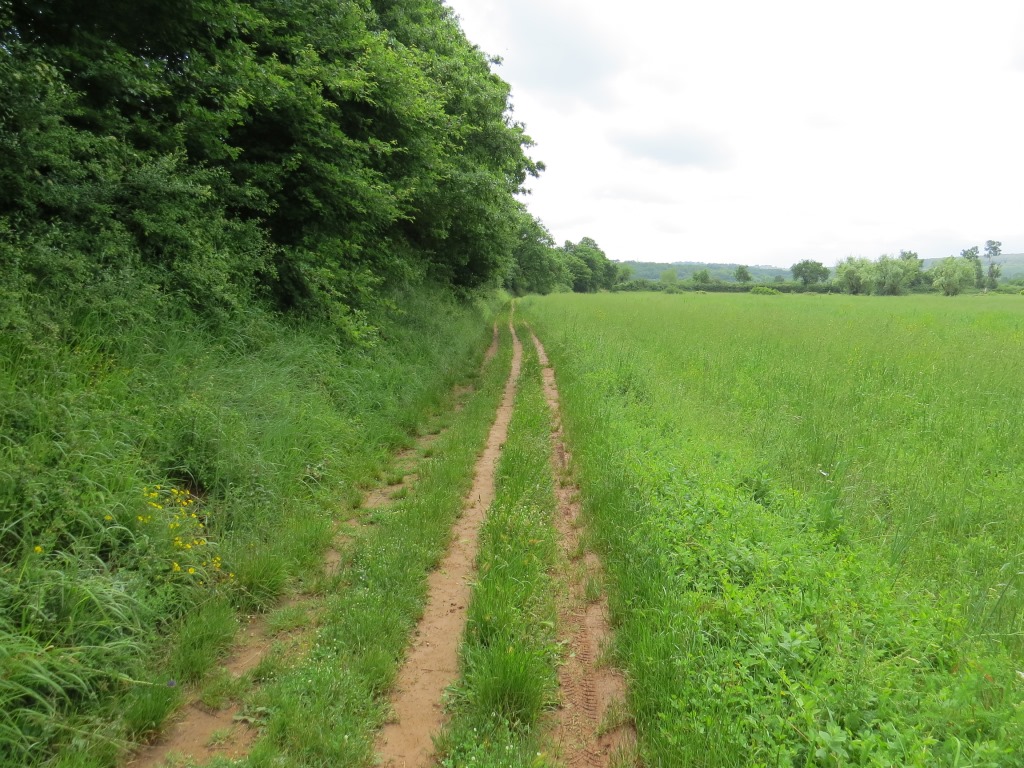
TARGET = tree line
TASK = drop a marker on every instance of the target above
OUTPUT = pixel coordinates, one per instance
(307, 156)
(885, 276)
(905, 273)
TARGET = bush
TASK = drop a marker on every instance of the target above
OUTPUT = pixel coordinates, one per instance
(764, 290)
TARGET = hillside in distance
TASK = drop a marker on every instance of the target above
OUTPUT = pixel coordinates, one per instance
(652, 270)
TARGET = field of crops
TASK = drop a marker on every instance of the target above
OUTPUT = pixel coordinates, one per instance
(810, 512)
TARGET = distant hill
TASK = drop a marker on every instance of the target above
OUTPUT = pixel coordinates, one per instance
(651, 270)
(1012, 264)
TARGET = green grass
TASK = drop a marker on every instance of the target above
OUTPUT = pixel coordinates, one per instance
(808, 509)
(509, 654)
(151, 469)
(325, 707)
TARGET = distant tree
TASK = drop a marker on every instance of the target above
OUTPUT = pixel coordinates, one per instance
(895, 276)
(952, 275)
(913, 268)
(974, 259)
(993, 249)
(855, 275)
(589, 267)
(669, 278)
(808, 272)
(742, 274)
(701, 277)
(537, 265)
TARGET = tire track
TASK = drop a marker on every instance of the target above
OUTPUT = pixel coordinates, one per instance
(592, 729)
(432, 661)
(197, 733)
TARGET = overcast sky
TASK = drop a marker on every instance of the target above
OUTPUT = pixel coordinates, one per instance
(765, 133)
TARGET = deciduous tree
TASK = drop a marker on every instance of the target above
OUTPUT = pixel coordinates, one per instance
(808, 272)
(993, 249)
(952, 275)
(856, 275)
(974, 259)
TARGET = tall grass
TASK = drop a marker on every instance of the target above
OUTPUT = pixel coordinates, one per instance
(809, 511)
(152, 466)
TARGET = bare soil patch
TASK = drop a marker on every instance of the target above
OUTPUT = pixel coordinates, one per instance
(432, 661)
(591, 729)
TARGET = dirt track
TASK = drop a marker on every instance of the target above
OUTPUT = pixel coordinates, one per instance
(432, 662)
(588, 733)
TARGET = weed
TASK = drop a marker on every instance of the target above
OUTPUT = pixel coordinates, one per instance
(219, 737)
(219, 688)
(592, 589)
(148, 705)
(202, 637)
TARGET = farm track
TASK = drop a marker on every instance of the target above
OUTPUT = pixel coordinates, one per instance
(199, 733)
(432, 661)
(592, 729)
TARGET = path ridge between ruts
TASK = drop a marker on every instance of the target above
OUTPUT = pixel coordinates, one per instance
(432, 661)
(587, 732)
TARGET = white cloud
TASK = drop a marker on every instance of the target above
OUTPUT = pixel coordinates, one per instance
(768, 132)
(676, 147)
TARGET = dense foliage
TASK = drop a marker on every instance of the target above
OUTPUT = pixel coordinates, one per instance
(232, 151)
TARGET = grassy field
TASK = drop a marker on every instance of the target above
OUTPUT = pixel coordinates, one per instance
(160, 475)
(810, 511)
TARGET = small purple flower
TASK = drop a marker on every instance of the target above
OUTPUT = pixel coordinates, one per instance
(171, 683)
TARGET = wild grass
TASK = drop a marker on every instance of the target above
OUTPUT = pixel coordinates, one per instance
(509, 654)
(152, 469)
(808, 509)
(325, 707)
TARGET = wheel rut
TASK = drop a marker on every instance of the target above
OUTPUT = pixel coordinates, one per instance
(432, 660)
(592, 729)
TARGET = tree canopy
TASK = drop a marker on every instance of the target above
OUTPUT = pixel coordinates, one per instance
(808, 272)
(300, 153)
